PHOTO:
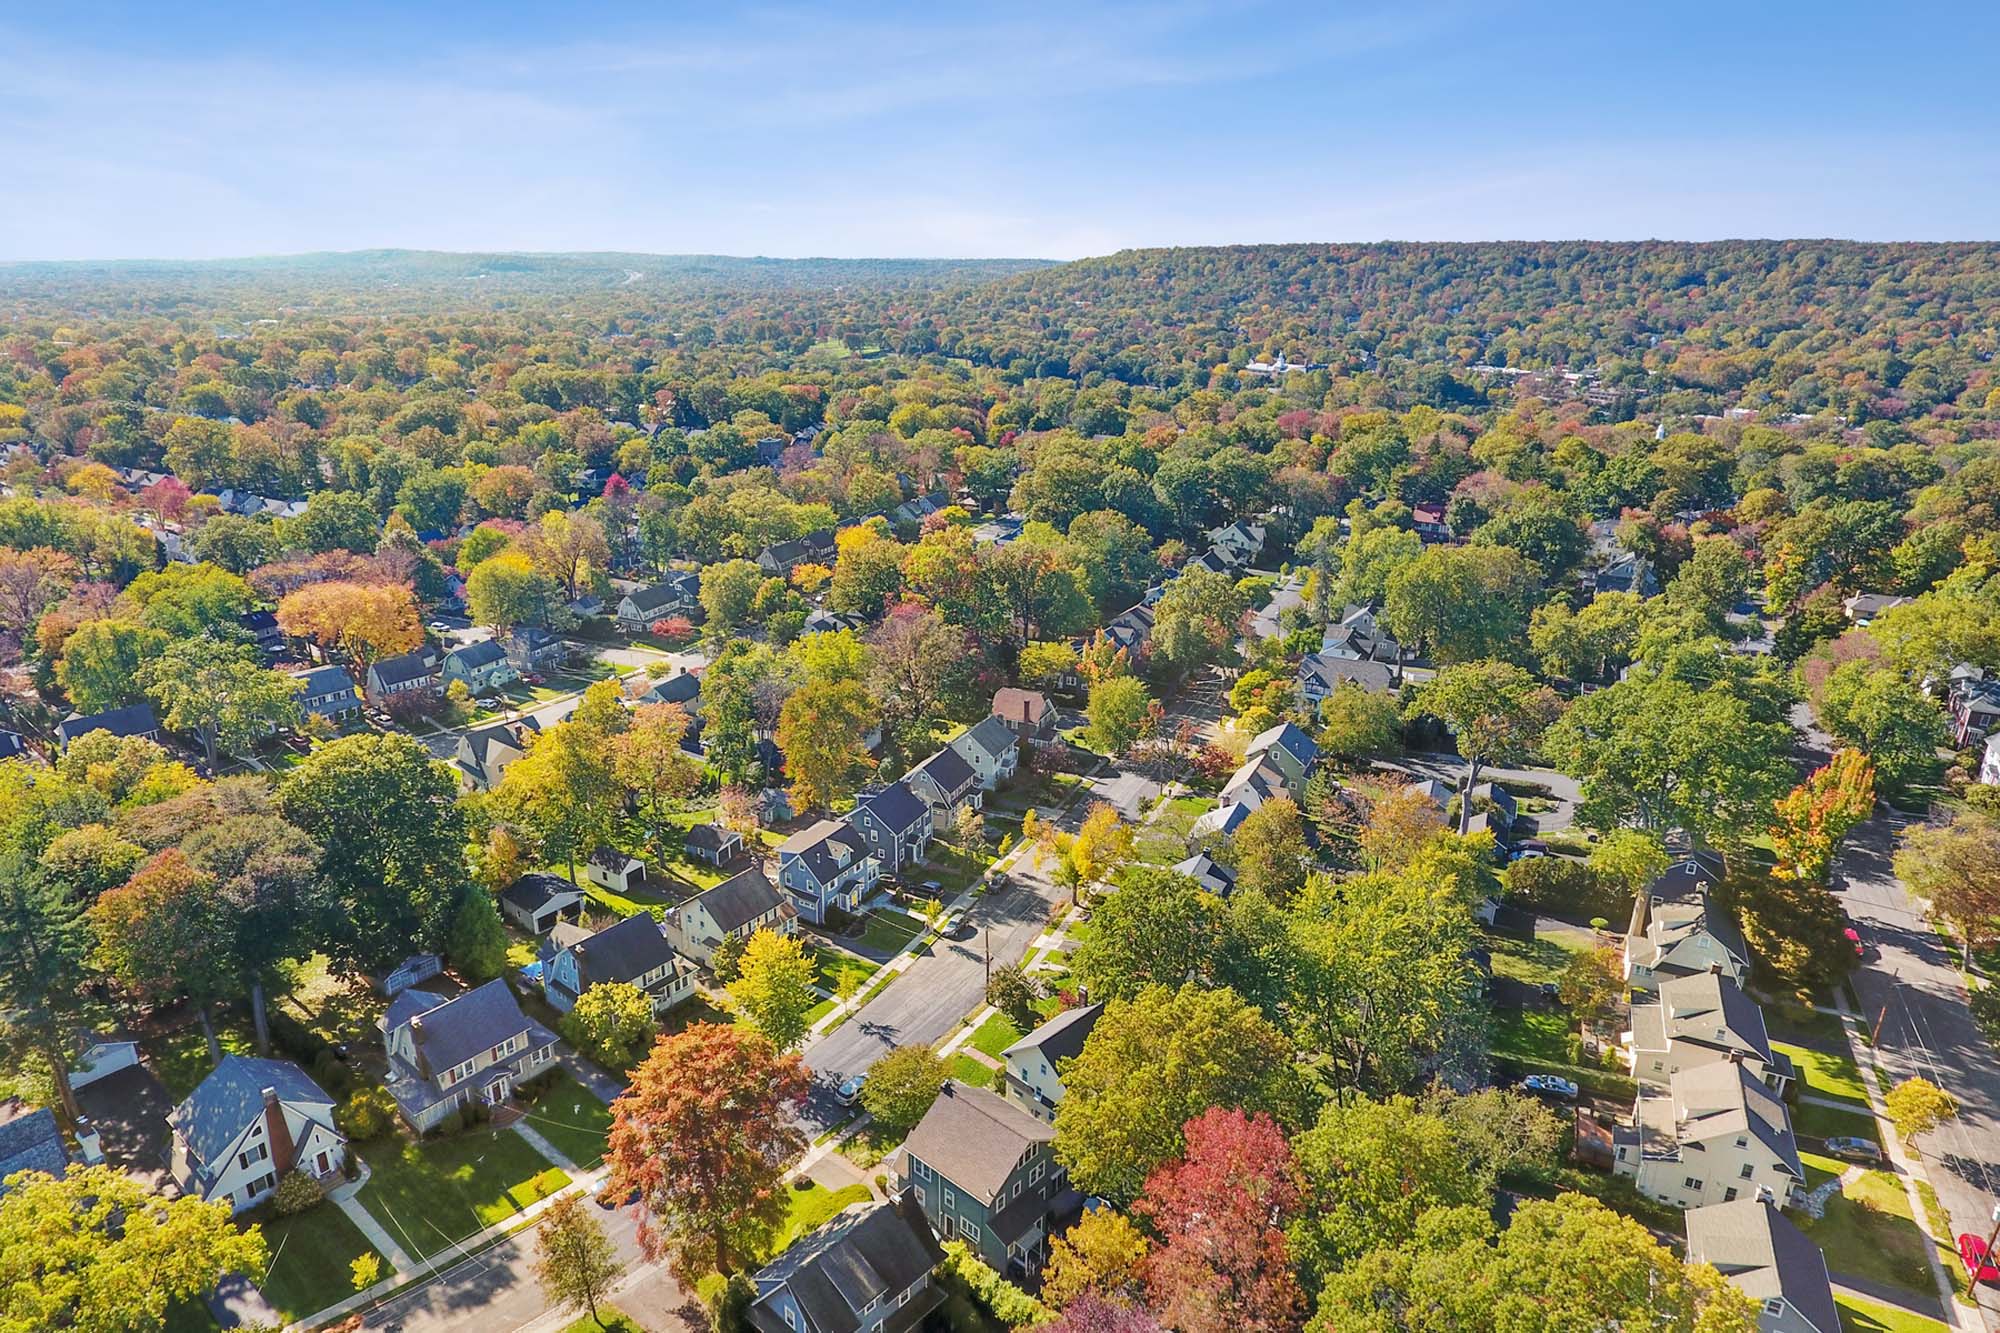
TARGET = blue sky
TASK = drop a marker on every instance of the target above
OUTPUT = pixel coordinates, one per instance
(196, 130)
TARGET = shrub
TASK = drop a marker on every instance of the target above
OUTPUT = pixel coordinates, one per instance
(1986, 1010)
(727, 964)
(451, 1124)
(1563, 887)
(1013, 994)
(989, 1291)
(296, 1193)
(727, 1300)
(368, 1114)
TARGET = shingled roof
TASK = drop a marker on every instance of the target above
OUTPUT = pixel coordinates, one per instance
(974, 1138)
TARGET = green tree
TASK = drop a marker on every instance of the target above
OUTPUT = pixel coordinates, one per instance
(1154, 1062)
(221, 693)
(1159, 929)
(1194, 622)
(1368, 560)
(96, 1252)
(612, 1023)
(477, 944)
(47, 942)
(902, 1085)
(1631, 858)
(1495, 711)
(1712, 582)
(774, 986)
(336, 521)
(574, 1260)
(100, 663)
(820, 731)
(1881, 714)
(183, 600)
(507, 591)
(1357, 725)
(1117, 712)
(727, 590)
(1955, 868)
(1460, 603)
(1917, 1106)
(565, 789)
(1269, 851)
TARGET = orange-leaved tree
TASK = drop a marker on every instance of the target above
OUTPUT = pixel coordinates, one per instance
(1818, 813)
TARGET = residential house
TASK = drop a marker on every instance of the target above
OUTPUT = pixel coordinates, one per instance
(1132, 630)
(1680, 939)
(716, 844)
(29, 1141)
(1625, 572)
(1975, 710)
(448, 1054)
(682, 687)
(1687, 880)
(586, 606)
(534, 650)
(869, 1270)
(407, 674)
(947, 783)
(999, 531)
(827, 867)
(263, 629)
(247, 1126)
(484, 752)
(1359, 637)
(535, 902)
(328, 692)
(131, 720)
(1287, 748)
(672, 596)
(610, 868)
(482, 665)
(1715, 1134)
(1496, 798)
(13, 745)
(1429, 521)
(1760, 1251)
(1863, 607)
(737, 908)
(815, 548)
(1221, 822)
(897, 822)
(1209, 873)
(1239, 543)
(1027, 713)
(992, 748)
(980, 1167)
(1031, 1069)
(1320, 675)
(1700, 1020)
(1430, 789)
(1989, 766)
(414, 970)
(1254, 782)
(633, 951)
(97, 1055)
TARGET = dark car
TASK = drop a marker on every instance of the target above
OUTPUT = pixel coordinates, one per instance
(1853, 1149)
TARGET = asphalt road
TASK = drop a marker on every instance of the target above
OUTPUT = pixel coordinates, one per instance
(926, 1002)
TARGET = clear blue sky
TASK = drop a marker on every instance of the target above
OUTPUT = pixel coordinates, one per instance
(201, 130)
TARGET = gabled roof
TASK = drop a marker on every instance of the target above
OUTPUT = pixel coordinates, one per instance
(322, 681)
(480, 742)
(535, 890)
(991, 735)
(1223, 819)
(711, 837)
(1330, 672)
(1759, 1250)
(1713, 1011)
(1291, 739)
(657, 597)
(131, 720)
(1686, 880)
(447, 1033)
(622, 952)
(610, 858)
(1208, 872)
(402, 669)
(974, 1138)
(825, 849)
(482, 653)
(1725, 1099)
(1062, 1037)
(948, 769)
(740, 899)
(681, 688)
(1017, 705)
(233, 1095)
(29, 1141)
(898, 808)
(835, 1273)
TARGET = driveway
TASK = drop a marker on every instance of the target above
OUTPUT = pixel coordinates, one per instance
(130, 1110)
(935, 992)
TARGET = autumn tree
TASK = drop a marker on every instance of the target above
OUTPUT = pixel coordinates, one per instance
(1917, 1106)
(703, 1134)
(1220, 1214)
(270, 898)
(1955, 867)
(565, 788)
(359, 622)
(96, 1251)
(1100, 844)
(166, 933)
(1195, 620)
(774, 986)
(1592, 981)
(1495, 711)
(1270, 852)
(567, 549)
(506, 591)
(1815, 818)
(820, 731)
(1101, 1256)
(611, 1022)
(647, 759)
(1116, 711)
(574, 1260)
(1398, 826)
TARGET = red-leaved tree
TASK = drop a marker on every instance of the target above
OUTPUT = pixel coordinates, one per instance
(1092, 1313)
(703, 1135)
(1221, 1265)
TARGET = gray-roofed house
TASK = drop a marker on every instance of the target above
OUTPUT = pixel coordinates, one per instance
(1320, 675)
(1863, 607)
(536, 901)
(633, 951)
(263, 628)
(1688, 879)
(482, 665)
(1031, 1069)
(682, 687)
(446, 1054)
(1206, 871)
(485, 752)
(411, 673)
(328, 692)
(29, 1141)
(131, 720)
(1220, 822)
(992, 748)
(1699, 1020)
(1626, 572)
(980, 1167)
(638, 609)
(1288, 748)
(947, 783)
(534, 649)
(717, 844)
(1715, 1134)
(1770, 1260)
(897, 823)
(247, 1126)
(1682, 939)
(827, 867)
(869, 1270)
(737, 908)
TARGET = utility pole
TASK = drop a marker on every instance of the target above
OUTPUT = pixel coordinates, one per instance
(986, 946)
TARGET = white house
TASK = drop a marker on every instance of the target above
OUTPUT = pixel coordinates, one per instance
(1715, 1134)
(1700, 1020)
(1758, 1250)
(1681, 938)
(247, 1126)
(633, 951)
(992, 748)
(535, 902)
(735, 909)
(827, 867)
(1989, 767)
(609, 868)
(99, 1056)
(1032, 1067)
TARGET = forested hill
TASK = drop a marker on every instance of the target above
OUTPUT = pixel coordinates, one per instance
(1800, 319)
(375, 281)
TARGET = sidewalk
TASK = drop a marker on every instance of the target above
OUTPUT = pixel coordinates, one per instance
(342, 1197)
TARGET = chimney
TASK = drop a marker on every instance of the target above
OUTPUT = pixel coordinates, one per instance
(1715, 969)
(1735, 1057)
(277, 1132)
(87, 1142)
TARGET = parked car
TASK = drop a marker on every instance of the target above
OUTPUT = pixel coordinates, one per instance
(849, 1092)
(933, 888)
(1853, 1149)
(1549, 1085)
(1978, 1263)
(1854, 938)
(1531, 849)
(1551, 993)
(959, 929)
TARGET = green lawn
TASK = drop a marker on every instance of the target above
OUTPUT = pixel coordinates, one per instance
(432, 1195)
(1868, 1231)
(310, 1254)
(1531, 962)
(569, 1115)
(809, 1209)
(1164, 841)
(695, 1009)
(181, 1058)
(1823, 1122)
(819, 1011)
(1537, 1040)
(970, 1071)
(1820, 1169)
(614, 1320)
(1836, 1077)
(889, 929)
(839, 971)
(1858, 1315)
(1806, 1027)
(995, 1035)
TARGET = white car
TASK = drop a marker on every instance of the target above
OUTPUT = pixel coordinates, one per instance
(849, 1092)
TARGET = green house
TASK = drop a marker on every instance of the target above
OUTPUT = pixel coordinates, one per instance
(980, 1168)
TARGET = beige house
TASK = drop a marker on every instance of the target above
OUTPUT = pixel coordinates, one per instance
(738, 907)
(1700, 1020)
(1715, 1134)
(1679, 933)
(1032, 1070)
(1759, 1250)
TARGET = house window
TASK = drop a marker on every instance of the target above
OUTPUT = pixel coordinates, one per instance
(250, 1156)
(1742, 1141)
(1774, 1306)
(950, 1199)
(791, 1318)
(267, 1181)
(1729, 1195)
(920, 1196)
(903, 1300)
(1692, 1182)
(1017, 1189)
(1035, 1174)
(1747, 1171)
(923, 1171)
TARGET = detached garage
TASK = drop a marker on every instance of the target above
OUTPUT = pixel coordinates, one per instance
(537, 902)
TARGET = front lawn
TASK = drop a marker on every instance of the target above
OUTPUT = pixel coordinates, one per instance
(811, 1208)
(1164, 841)
(1829, 1075)
(697, 1008)
(1805, 1027)
(972, 1073)
(310, 1257)
(839, 971)
(1868, 1231)
(889, 929)
(430, 1196)
(1823, 1122)
(1860, 1315)
(1537, 1040)
(1820, 1169)
(995, 1035)
(569, 1115)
